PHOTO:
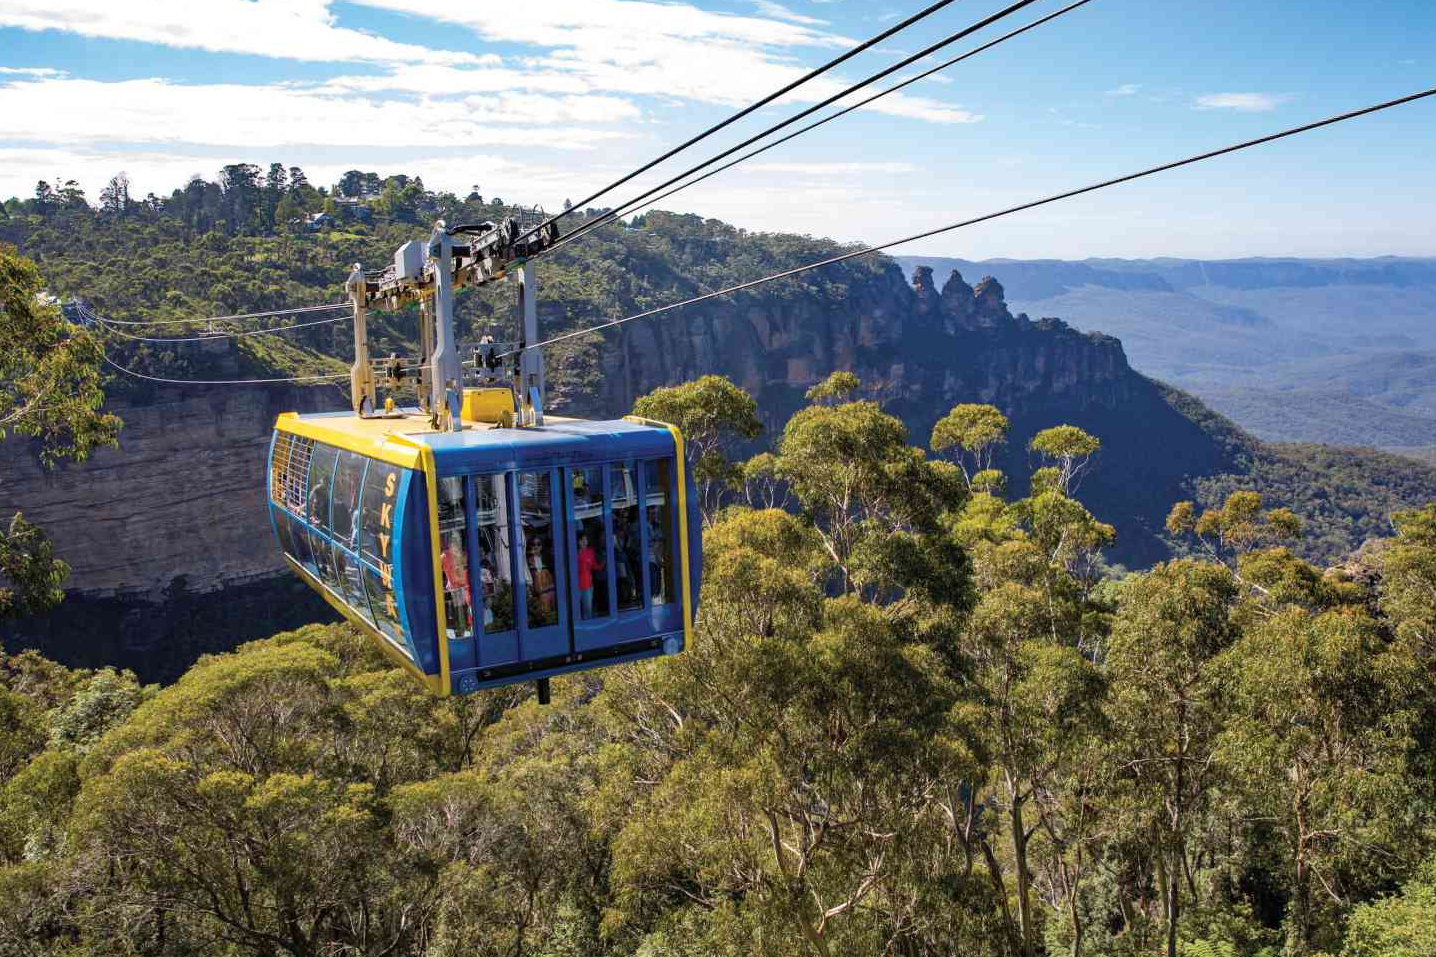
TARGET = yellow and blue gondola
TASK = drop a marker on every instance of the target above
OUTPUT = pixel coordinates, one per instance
(490, 555)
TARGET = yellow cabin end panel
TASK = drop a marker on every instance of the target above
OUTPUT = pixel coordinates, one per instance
(489, 405)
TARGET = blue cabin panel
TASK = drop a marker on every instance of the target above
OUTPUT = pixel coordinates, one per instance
(414, 574)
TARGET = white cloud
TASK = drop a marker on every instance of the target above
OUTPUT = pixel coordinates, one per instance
(1126, 89)
(639, 48)
(289, 29)
(1241, 102)
(779, 12)
(66, 110)
(31, 71)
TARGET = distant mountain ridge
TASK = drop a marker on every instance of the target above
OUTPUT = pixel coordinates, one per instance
(1300, 350)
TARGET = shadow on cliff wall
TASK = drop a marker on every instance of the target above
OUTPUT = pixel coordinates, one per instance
(160, 640)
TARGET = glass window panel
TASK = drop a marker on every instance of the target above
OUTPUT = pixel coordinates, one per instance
(351, 583)
(282, 530)
(495, 557)
(324, 559)
(381, 500)
(344, 513)
(296, 475)
(627, 534)
(302, 553)
(536, 514)
(321, 481)
(662, 534)
(380, 586)
(454, 558)
(279, 465)
(590, 544)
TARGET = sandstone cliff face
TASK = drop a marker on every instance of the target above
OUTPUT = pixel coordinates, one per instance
(183, 495)
(170, 542)
(168, 536)
(920, 349)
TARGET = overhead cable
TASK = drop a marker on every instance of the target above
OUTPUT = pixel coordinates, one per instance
(248, 315)
(1248, 144)
(812, 74)
(150, 378)
(217, 335)
(901, 64)
(613, 215)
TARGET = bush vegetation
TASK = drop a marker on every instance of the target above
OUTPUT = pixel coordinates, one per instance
(918, 718)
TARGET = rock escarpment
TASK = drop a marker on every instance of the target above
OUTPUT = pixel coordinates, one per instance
(171, 546)
(168, 537)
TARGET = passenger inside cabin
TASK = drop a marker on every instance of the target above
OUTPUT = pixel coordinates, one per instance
(657, 554)
(540, 577)
(588, 563)
(456, 578)
(622, 562)
(319, 504)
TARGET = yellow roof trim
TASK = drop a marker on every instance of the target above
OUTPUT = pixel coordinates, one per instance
(375, 438)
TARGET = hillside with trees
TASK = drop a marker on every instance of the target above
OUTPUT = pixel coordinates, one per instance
(921, 714)
(918, 717)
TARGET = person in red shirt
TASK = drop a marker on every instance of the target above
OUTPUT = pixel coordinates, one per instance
(456, 573)
(588, 563)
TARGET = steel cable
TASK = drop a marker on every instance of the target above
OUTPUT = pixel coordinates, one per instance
(613, 216)
(1212, 154)
(747, 110)
(588, 227)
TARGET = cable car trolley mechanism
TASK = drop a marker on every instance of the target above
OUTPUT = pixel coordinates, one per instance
(475, 540)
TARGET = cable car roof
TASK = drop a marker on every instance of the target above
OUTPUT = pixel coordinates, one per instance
(402, 439)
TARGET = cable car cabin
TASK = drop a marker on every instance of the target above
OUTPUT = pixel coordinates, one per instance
(492, 555)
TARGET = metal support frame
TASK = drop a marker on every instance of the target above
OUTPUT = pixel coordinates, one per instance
(361, 374)
(445, 370)
(428, 274)
(531, 386)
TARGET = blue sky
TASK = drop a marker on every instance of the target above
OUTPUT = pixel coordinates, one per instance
(548, 101)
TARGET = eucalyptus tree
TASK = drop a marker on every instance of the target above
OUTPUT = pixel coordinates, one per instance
(1168, 713)
(1317, 736)
(715, 416)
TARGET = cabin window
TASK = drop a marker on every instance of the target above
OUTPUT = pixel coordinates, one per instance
(540, 577)
(296, 477)
(454, 558)
(380, 586)
(662, 535)
(495, 555)
(381, 503)
(627, 535)
(301, 550)
(281, 528)
(279, 466)
(321, 481)
(351, 583)
(344, 507)
(324, 559)
(590, 543)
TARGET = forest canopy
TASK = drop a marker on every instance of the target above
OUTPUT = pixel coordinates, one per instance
(918, 717)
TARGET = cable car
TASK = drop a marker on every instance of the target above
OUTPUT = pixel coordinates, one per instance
(492, 555)
(474, 540)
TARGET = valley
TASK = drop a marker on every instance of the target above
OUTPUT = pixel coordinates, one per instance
(1333, 351)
